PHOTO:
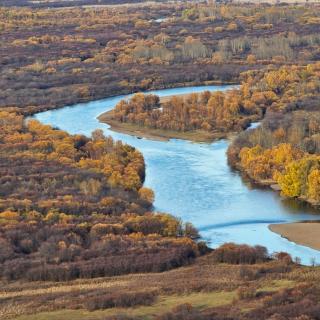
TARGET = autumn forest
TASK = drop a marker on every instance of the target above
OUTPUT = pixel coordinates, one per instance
(81, 236)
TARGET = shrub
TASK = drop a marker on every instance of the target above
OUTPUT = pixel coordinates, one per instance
(123, 300)
(240, 254)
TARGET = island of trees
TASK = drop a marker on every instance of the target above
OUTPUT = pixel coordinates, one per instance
(207, 115)
(273, 91)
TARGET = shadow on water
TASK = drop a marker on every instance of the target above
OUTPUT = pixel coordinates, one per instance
(296, 206)
(289, 204)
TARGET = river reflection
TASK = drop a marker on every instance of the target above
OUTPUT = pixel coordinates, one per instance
(193, 181)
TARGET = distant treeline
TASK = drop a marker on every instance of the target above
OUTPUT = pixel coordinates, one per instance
(66, 3)
(51, 58)
(74, 207)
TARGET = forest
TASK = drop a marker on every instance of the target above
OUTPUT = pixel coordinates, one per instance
(55, 57)
(79, 235)
(74, 207)
(268, 92)
(284, 150)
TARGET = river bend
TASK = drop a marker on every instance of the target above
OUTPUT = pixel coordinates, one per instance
(194, 182)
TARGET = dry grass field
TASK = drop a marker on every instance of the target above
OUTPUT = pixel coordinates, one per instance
(204, 287)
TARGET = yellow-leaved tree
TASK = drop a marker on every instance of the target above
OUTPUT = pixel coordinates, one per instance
(314, 185)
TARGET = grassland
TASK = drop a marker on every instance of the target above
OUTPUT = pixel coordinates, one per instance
(164, 303)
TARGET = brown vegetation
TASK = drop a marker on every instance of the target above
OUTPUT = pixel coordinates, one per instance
(206, 289)
(53, 57)
(74, 207)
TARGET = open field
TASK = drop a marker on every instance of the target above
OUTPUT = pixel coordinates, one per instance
(205, 287)
(164, 303)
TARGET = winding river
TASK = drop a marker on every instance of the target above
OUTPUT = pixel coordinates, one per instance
(194, 182)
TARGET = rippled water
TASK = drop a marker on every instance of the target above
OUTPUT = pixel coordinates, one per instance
(194, 182)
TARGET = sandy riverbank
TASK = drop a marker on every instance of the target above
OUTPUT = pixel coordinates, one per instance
(303, 233)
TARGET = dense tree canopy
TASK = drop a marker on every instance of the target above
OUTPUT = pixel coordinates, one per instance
(206, 111)
(285, 148)
(274, 91)
(72, 206)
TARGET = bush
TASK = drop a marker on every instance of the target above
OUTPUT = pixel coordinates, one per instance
(246, 293)
(240, 254)
(123, 300)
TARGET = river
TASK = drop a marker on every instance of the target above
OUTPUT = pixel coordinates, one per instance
(193, 181)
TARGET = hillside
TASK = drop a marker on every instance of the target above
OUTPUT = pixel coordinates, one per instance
(205, 290)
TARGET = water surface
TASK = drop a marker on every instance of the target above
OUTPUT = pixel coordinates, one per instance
(194, 182)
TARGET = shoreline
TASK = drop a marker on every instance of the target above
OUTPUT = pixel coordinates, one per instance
(301, 233)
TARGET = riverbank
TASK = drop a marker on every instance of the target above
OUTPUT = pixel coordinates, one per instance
(302, 233)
